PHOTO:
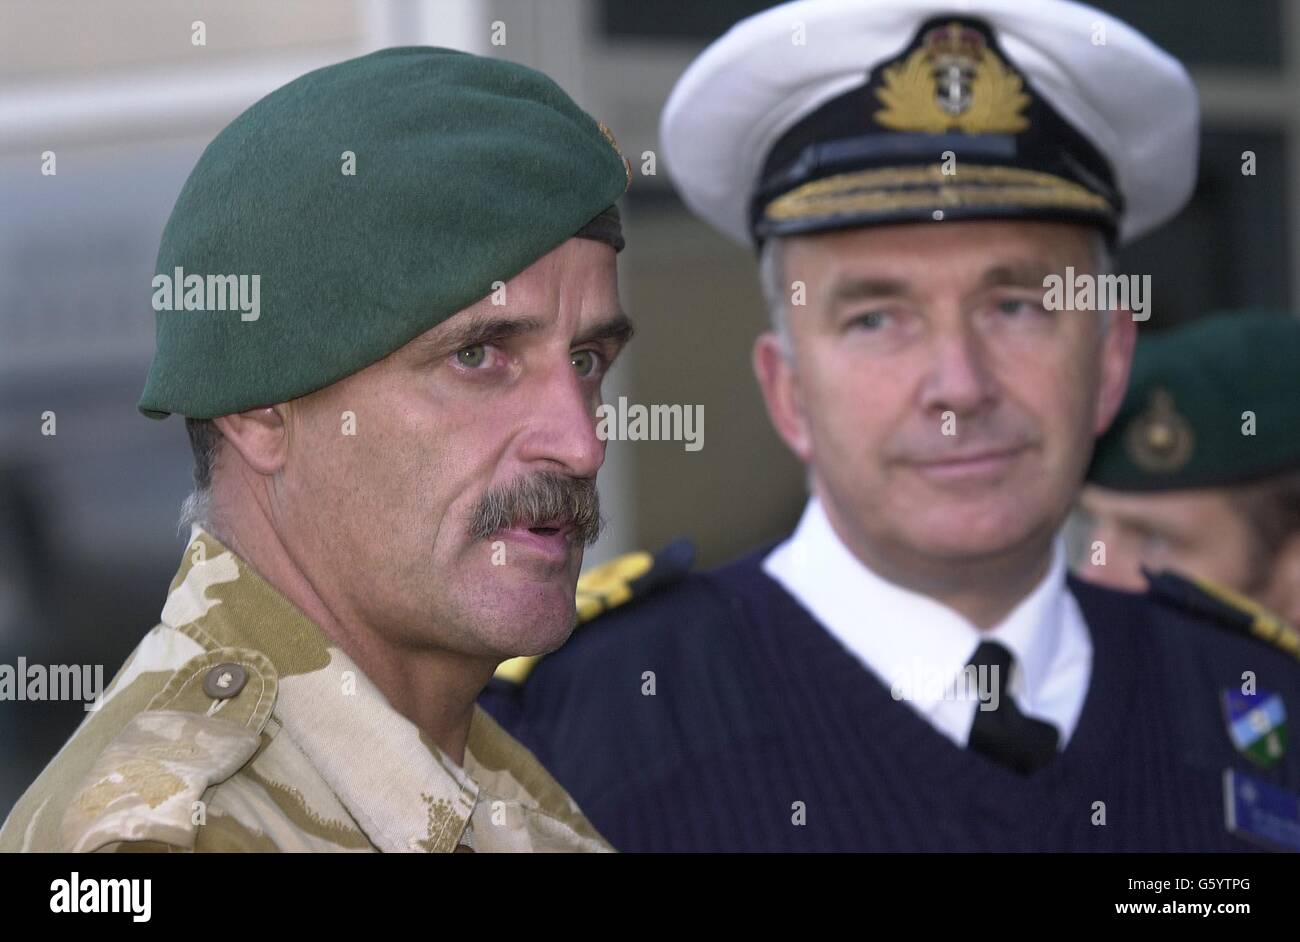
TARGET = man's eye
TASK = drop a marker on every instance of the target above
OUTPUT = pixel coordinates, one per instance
(1016, 306)
(871, 320)
(585, 362)
(472, 357)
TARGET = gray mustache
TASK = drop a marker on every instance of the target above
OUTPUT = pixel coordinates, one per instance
(544, 498)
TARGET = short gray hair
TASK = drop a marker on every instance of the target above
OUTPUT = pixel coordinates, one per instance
(771, 279)
(776, 292)
(205, 442)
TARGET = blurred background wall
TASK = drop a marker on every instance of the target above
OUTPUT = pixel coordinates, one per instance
(125, 100)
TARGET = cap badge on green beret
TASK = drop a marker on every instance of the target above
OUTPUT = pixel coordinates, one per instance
(609, 136)
(953, 80)
(1160, 439)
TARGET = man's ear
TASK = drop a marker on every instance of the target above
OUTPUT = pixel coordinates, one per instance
(1283, 595)
(1116, 360)
(780, 384)
(261, 436)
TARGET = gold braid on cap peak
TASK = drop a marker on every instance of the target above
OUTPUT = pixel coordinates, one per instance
(888, 189)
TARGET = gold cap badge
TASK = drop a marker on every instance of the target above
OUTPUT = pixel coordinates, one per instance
(953, 81)
(609, 136)
(1160, 439)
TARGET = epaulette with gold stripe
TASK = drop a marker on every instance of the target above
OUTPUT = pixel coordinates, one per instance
(1225, 607)
(611, 585)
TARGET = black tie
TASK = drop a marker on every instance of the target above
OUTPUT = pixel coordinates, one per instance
(1006, 735)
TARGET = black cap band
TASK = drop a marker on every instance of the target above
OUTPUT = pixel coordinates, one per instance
(606, 227)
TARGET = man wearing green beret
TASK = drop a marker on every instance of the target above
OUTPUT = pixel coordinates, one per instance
(386, 300)
(1201, 471)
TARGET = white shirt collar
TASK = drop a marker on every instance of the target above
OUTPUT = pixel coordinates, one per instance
(907, 639)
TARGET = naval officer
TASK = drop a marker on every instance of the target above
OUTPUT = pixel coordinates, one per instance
(911, 668)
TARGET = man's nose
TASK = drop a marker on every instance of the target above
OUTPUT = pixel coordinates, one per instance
(958, 378)
(561, 425)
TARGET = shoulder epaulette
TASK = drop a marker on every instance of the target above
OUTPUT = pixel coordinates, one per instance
(1224, 607)
(198, 731)
(611, 585)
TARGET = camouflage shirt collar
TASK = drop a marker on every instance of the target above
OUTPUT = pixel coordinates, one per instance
(403, 791)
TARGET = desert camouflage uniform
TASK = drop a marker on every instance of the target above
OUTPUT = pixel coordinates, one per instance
(236, 725)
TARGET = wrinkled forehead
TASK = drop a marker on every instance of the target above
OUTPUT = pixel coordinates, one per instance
(920, 255)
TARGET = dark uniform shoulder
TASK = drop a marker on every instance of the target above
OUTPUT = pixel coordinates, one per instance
(1223, 609)
(608, 593)
(648, 673)
(1192, 613)
(1198, 668)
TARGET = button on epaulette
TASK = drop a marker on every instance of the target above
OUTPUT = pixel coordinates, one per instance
(1224, 607)
(611, 585)
(200, 729)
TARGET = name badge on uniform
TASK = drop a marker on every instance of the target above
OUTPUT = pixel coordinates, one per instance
(1256, 725)
(1260, 811)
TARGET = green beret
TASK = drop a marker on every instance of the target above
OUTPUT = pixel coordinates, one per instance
(357, 207)
(1212, 403)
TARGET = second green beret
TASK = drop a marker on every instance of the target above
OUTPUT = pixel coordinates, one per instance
(357, 207)
(1211, 403)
